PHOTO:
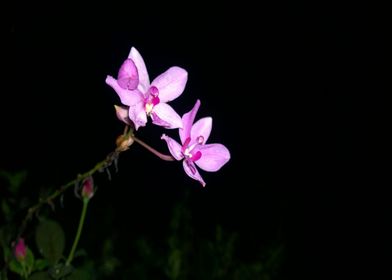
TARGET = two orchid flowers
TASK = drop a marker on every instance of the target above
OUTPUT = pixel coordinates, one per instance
(142, 99)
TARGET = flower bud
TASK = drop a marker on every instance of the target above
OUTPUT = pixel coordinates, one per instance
(20, 250)
(88, 188)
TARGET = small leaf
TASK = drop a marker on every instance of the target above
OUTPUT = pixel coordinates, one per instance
(40, 264)
(16, 266)
(40, 276)
(50, 240)
(29, 261)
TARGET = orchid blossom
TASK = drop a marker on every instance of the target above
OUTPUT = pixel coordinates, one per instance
(144, 99)
(193, 149)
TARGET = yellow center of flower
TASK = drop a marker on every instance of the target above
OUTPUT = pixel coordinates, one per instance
(151, 100)
(149, 107)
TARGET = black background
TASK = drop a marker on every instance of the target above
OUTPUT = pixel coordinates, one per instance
(295, 92)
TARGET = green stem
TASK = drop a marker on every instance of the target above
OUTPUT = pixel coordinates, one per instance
(24, 272)
(99, 166)
(79, 232)
(48, 200)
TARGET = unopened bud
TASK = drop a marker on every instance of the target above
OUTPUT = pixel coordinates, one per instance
(20, 250)
(88, 188)
(123, 142)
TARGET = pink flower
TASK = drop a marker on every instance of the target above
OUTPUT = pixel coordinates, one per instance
(144, 99)
(193, 149)
(20, 250)
(88, 188)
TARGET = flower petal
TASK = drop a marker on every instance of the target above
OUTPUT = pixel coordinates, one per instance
(137, 114)
(127, 97)
(171, 83)
(122, 114)
(201, 128)
(213, 157)
(191, 171)
(174, 147)
(164, 115)
(144, 80)
(128, 77)
(187, 122)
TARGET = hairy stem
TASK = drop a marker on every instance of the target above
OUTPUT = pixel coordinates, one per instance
(110, 158)
(48, 200)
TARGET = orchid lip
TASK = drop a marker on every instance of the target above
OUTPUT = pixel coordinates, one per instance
(152, 99)
(185, 145)
(187, 150)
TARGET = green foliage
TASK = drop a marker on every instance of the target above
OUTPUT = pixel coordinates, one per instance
(181, 252)
(24, 267)
(40, 264)
(16, 267)
(189, 256)
(50, 239)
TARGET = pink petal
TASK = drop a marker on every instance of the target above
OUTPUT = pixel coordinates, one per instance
(174, 147)
(191, 171)
(137, 114)
(187, 122)
(201, 128)
(165, 116)
(213, 157)
(128, 77)
(122, 114)
(127, 97)
(171, 83)
(20, 249)
(144, 80)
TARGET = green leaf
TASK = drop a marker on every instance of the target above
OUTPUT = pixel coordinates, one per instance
(40, 264)
(50, 240)
(29, 261)
(40, 276)
(16, 266)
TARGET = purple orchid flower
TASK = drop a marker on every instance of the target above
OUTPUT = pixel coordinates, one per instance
(144, 99)
(193, 149)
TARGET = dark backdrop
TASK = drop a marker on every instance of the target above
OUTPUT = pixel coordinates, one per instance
(295, 92)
